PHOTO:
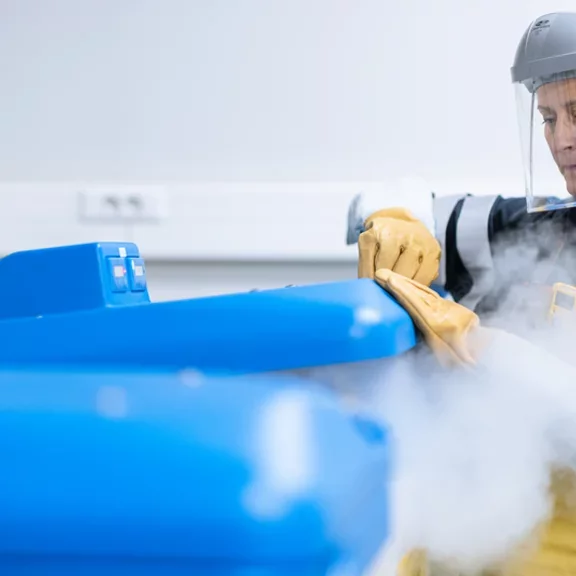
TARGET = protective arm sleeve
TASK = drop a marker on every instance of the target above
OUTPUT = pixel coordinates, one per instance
(482, 232)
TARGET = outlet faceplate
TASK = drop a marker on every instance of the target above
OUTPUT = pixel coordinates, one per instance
(122, 204)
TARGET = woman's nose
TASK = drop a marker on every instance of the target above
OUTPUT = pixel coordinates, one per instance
(565, 134)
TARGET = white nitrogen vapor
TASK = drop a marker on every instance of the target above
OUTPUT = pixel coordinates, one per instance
(474, 450)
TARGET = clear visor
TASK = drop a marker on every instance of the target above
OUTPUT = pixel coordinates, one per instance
(547, 120)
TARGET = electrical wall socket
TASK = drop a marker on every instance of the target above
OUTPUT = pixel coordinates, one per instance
(122, 204)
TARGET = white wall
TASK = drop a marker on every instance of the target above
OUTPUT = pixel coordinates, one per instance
(212, 237)
(170, 281)
(285, 92)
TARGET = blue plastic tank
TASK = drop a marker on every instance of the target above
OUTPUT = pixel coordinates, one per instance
(89, 305)
(146, 438)
(177, 474)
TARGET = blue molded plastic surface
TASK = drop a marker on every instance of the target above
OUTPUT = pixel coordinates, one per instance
(280, 329)
(69, 278)
(171, 474)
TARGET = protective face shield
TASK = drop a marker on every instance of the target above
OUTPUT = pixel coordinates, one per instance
(544, 77)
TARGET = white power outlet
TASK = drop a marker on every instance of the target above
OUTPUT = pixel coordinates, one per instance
(122, 204)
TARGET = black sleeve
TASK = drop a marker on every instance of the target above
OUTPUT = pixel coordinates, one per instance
(509, 222)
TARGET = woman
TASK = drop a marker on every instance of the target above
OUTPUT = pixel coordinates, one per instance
(486, 251)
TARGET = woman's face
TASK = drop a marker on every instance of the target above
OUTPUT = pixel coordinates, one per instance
(557, 105)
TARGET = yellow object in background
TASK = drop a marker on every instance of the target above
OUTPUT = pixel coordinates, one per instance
(563, 301)
(414, 564)
(550, 552)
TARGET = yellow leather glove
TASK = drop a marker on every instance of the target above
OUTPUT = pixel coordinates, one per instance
(393, 239)
(447, 327)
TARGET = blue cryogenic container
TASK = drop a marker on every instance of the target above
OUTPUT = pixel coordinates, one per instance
(169, 438)
(89, 304)
(176, 474)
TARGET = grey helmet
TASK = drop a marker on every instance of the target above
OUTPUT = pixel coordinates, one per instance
(547, 51)
(546, 58)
